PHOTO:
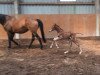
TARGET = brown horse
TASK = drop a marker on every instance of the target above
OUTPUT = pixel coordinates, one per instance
(71, 37)
(21, 25)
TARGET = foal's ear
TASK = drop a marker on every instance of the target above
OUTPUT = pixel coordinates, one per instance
(55, 24)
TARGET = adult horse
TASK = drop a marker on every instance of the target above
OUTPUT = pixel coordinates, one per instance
(21, 25)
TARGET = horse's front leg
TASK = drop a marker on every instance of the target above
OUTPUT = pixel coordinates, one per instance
(39, 39)
(9, 43)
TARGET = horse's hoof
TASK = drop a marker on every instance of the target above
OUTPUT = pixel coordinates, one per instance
(9, 46)
(19, 45)
(41, 47)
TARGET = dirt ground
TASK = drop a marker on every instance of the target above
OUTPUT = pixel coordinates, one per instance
(34, 61)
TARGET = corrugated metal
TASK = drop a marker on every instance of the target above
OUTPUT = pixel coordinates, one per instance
(69, 9)
(48, 9)
(62, 9)
(6, 9)
(6, 0)
(54, 0)
(39, 9)
(39, 0)
(85, 0)
(85, 9)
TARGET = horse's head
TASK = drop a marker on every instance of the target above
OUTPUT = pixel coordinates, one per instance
(3, 18)
(54, 27)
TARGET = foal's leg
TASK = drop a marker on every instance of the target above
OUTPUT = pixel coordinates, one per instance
(70, 43)
(77, 43)
(33, 38)
(56, 44)
(39, 39)
(51, 44)
(55, 40)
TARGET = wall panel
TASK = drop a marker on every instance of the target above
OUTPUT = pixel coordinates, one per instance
(85, 24)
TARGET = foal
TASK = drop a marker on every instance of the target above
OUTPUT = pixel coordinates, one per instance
(71, 37)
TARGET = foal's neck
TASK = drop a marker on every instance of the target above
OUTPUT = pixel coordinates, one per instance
(59, 30)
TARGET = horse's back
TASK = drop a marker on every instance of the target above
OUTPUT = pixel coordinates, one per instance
(22, 24)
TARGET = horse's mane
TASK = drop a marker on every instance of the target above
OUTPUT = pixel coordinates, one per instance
(4, 18)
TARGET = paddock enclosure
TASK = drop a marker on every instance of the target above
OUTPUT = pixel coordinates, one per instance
(78, 16)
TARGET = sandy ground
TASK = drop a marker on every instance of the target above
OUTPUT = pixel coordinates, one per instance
(34, 61)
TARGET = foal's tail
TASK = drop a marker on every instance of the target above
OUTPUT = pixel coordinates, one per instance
(40, 24)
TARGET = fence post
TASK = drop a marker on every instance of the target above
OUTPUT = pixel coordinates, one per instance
(17, 36)
(97, 9)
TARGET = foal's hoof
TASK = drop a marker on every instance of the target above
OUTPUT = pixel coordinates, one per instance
(57, 47)
(66, 52)
(50, 46)
(80, 52)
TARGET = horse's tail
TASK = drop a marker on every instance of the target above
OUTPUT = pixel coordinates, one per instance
(40, 24)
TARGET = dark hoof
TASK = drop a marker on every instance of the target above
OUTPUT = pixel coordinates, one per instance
(41, 47)
(29, 47)
(19, 45)
(9, 46)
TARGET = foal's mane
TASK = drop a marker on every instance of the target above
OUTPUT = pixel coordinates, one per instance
(59, 27)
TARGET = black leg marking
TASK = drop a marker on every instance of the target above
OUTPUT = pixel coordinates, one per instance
(39, 39)
(10, 38)
(33, 38)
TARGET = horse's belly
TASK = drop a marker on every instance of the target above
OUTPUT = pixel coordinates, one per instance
(21, 30)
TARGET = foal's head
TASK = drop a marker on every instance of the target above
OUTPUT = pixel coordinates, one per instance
(55, 27)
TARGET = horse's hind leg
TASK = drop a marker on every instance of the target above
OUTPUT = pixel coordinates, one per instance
(33, 38)
(39, 39)
(10, 38)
